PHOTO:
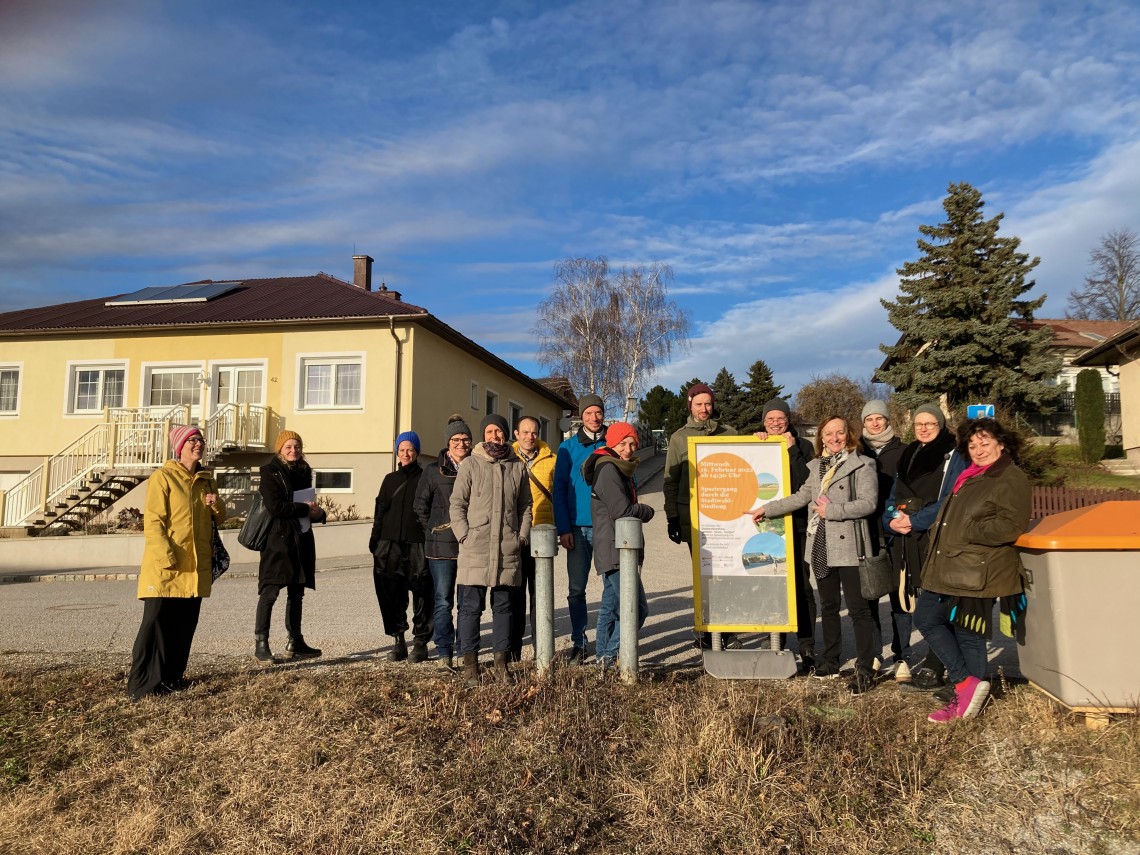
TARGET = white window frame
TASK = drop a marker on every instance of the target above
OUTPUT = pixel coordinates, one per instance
(474, 396)
(511, 420)
(219, 475)
(180, 366)
(217, 364)
(71, 377)
(351, 488)
(344, 358)
(491, 398)
(18, 367)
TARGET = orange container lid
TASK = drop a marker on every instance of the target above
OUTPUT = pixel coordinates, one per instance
(1109, 525)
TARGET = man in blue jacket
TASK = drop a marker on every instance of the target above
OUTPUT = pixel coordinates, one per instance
(572, 514)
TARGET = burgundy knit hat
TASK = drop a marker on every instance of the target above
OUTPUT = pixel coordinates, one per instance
(699, 389)
(618, 431)
(180, 434)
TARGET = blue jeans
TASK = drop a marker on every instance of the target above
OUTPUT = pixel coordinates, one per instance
(609, 623)
(961, 651)
(443, 580)
(578, 562)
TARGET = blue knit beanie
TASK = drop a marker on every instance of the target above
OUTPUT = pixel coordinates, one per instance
(409, 436)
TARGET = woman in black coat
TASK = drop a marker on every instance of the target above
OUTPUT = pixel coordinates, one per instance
(289, 559)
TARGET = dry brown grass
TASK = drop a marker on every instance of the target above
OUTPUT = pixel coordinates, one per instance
(356, 757)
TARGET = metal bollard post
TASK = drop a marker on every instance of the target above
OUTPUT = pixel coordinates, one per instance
(628, 539)
(543, 546)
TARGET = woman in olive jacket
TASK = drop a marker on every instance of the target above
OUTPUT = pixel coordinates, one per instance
(842, 489)
(490, 516)
(182, 504)
(289, 559)
(972, 561)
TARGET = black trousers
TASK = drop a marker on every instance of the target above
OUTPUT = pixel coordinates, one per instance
(162, 646)
(861, 623)
(399, 569)
(518, 604)
(294, 607)
(471, 600)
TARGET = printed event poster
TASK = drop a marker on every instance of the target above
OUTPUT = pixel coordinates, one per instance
(741, 580)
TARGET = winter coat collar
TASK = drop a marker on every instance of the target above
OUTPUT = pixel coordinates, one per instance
(606, 455)
(707, 426)
(586, 438)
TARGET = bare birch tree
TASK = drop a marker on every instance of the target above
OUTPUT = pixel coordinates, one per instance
(607, 332)
(1112, 291)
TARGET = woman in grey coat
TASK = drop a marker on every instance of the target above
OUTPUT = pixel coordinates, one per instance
(490, 517)
(842, 489)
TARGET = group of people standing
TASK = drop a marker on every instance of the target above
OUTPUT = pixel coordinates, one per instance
(451, 535)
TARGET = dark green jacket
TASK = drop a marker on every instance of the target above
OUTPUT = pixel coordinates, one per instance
(971, 542)
(676, 486)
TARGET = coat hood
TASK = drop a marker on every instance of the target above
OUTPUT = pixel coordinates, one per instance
(602, 457)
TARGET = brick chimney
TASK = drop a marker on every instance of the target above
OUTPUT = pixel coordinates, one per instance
(362, 271)
(395, 295)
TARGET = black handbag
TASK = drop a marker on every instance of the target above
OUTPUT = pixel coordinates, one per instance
(876, 575)
(219, 555)
(254, 532)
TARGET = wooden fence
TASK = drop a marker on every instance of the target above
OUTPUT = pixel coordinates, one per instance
(1054, 500)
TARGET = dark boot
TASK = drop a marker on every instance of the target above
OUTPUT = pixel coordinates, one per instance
(399, 651)
(419, 652)
(502, 673)
(471, 668)
(261, 650)
(296, 648)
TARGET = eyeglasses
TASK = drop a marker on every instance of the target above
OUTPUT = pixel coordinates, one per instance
(925, 425)
(458, 441)
(196, 440)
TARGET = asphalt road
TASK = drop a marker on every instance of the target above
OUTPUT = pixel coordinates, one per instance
(84, 618)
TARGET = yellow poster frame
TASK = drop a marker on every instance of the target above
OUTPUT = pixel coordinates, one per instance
(694, 549)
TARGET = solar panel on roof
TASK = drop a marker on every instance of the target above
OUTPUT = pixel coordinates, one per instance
(200, 292)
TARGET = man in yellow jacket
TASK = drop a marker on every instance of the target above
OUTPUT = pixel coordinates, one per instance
(539, 460)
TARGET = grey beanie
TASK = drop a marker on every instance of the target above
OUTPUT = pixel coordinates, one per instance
(933, 410)
(455, 427)
(776, 405)
(494, 419)
(875, 407)
(587, 401)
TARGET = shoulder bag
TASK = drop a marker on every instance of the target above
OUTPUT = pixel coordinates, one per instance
(876, 576)
(219, 556)
(254, 532)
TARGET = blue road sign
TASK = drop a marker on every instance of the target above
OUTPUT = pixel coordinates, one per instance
(980, 411)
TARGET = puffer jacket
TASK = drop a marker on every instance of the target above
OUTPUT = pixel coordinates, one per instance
(676, 485)
(571, 495)
(843, 513)
(433, 509)
(179, 538)
(490, 516)
(394, 516)
(613, 496)
(290, 555)
(542, 466)
(971, 542)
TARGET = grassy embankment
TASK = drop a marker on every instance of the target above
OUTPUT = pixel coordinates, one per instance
(355, 757)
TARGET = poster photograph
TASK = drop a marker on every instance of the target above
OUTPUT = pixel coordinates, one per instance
(740, 568)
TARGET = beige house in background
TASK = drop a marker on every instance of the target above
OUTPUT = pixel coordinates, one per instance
(1121, 350)
(88, 388)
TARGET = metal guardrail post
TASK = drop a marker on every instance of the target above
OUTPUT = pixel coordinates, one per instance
(543, 546)
(629, 540)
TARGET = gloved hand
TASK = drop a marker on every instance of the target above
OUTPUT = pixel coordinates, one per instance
(372, 541)
(674, 524)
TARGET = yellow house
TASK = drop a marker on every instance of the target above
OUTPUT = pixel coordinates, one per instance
(1121, 351)
(88, 388)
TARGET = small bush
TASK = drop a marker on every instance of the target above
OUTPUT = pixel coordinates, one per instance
(331, 508)
(351, 513)
(1090, 415)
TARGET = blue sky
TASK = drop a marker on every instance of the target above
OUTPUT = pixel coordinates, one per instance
(779, 156)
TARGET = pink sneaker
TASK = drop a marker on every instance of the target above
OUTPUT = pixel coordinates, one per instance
(947, 714)
(972, 694)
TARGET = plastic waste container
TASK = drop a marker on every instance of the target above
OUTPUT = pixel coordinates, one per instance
(1082, 619)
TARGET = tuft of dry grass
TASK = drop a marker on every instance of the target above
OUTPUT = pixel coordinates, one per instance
(359, 757)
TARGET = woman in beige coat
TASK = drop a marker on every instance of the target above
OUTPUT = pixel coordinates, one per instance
(182, 504)
(490, 517)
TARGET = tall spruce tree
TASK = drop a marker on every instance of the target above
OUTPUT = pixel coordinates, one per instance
(727, 397)
(656, 408)
(962, 316)
(759, 389)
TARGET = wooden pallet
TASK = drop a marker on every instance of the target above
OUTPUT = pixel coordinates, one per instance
(1096, 718)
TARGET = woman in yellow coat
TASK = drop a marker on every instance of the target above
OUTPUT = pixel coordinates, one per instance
(181, 503)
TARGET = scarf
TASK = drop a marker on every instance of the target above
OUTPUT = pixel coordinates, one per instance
(877, 441)
(496, 450)
(968, 473)
(817, 525)
(450, 466)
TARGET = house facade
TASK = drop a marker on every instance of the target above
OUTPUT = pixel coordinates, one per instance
(343, 365)
(1120, 355)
